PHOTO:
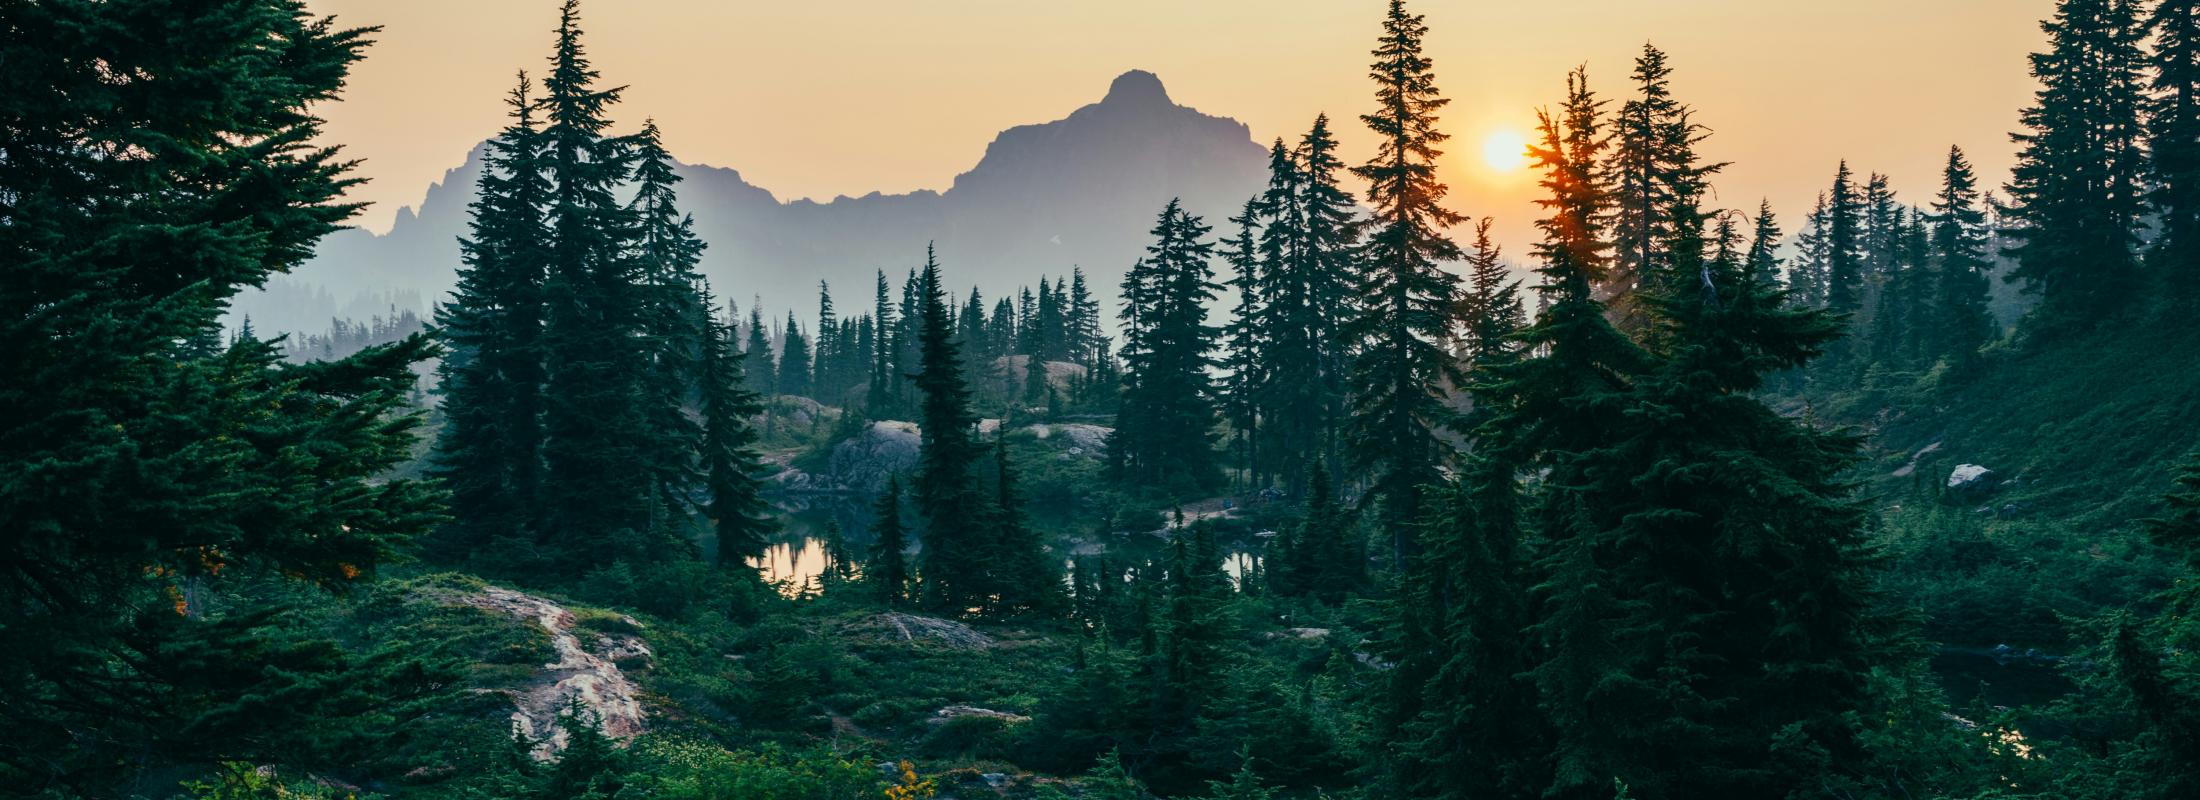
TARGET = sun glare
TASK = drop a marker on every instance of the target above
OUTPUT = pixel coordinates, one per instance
(1505, 151)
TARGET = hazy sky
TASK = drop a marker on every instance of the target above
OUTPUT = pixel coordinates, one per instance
(818, 98)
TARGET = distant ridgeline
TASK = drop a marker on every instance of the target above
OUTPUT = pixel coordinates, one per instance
(1076, 192)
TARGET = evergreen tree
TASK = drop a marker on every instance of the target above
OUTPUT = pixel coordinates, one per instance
(1241, 402)
(1640, 193)
(1762, 262)
(1328, 259)
(1490, 311)
(1806, 280)
(1024, 577)
(489, 453)
(672, 324)
(761, 369)
(2173, 139)
(1844, 276)
(794, 360)
(1325, 560)
(1701, 596)
(1406, 300)
(1448, 692)
(158, 161)
(948, 499)
(882, 393)
(738, 512)
(1041, 341)
(1164, 431)
(1961, 323)
(888, 569)
(596, 447)
(824, 360)
(2077, 191)
(1081, 321)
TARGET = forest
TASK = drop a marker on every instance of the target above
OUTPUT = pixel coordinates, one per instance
(1895, 496)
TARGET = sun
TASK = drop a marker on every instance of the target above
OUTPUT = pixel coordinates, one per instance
(1505, 151)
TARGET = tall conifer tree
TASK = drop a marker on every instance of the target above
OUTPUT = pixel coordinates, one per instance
(948, 498)
(596, 450)
(1406, 298)
(2077, 191)
(489, 454)
(671, 324)
(1164, 432)
(730, 467)
(1962, 323)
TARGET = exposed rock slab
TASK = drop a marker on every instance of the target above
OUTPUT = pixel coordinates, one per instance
(594, 678)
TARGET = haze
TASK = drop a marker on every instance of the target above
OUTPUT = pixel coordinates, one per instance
(855, 96)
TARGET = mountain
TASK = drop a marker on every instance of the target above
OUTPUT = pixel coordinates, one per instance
(1081, 190)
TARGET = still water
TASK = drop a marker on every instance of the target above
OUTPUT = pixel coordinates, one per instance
(801, 552)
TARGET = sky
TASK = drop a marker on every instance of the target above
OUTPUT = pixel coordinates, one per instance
(821, 98)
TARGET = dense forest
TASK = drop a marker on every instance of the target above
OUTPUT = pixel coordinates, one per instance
(1891, 497)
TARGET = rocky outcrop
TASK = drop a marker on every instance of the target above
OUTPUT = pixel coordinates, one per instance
(1969, 482)
(899, 627)
(866, 460)
(588, 673)
(1079, 438)
(1009, 373)
(962, 712)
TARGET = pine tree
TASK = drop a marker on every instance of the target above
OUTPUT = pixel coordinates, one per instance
(948, 499)
(1082, 321)
(823, 358)
(1580, 368)
(1844, 240)
(160, 160)
(1241, 400)
(672, 322)
(1308, 247)
(2077, 189)
(883, 393)
(1806, 280)
(1040, 339)
(1026, 579)
(888, 569)
(737, 509)
(1326, 561)
(489, 453)
(1699, 585)
(1762, 262)
(761, 369)
(1164, 431)
(1640, 195)
(1961, 323)
(794, 360)
(1490, 311)
(2173, 139)
(1406, 301)
(596, 448)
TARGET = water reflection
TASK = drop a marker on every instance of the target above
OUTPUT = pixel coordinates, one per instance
(801, 553)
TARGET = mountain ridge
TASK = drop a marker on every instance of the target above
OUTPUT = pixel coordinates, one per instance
(1079, 191)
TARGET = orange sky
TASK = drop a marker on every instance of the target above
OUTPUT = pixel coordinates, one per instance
(827, 97)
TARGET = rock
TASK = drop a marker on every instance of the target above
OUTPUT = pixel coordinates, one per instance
(900, 627)
(596, 680)
(995, 779)
(866, 460)
(1971, 481)
(1008, 373)
(1911, 467)
(1081, 437)
(796, 411)
(958, 712)
(1297, 633)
